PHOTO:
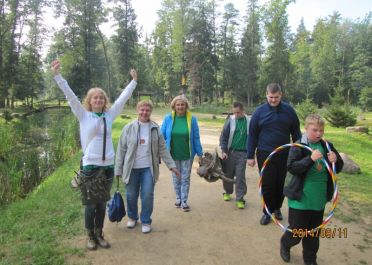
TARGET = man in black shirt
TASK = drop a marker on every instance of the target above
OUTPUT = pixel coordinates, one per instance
(271, 125)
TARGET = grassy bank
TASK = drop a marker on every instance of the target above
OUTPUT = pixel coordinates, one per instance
(35, 230)
(31, 230)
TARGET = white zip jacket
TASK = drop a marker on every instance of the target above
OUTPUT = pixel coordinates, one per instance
(91, 125)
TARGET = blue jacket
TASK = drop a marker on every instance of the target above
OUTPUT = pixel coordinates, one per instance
(272, 127)
(194, 136)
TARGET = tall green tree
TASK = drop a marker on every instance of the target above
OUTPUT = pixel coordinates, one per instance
(125, 39)
(83, 58)
(201, 60)
(162, 67)
(31, 83)
(13, 22)
(299, 87)
(250, 55)
(276, 64)
(324, 58)
(228, 50)
(360, 70)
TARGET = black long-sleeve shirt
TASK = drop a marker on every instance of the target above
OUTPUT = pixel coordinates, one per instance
(271, 127)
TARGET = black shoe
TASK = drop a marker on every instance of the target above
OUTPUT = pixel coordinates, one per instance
(310, 263)
(285, 253)
(278, 214)
(265, 219)
(100, 239)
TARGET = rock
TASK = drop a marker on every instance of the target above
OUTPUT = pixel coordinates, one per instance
(361, 129)
(349, 165)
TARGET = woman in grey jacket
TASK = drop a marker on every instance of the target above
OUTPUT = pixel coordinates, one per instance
(138, 156)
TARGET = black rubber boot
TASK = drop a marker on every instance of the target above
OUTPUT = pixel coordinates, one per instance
(100, 240)
(91, 240)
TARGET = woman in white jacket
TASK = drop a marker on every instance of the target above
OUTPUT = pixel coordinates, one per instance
(95, 119)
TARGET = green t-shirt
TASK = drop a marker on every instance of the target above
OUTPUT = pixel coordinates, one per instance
(180, 146)
(315, 186)
(239, 141)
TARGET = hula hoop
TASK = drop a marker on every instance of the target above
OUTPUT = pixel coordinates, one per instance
(331, 172)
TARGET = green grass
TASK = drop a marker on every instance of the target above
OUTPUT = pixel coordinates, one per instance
(31, 230)
(37, 230)
(355, 189)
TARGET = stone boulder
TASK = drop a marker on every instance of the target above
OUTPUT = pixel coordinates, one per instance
(349, 165)
(361, 129)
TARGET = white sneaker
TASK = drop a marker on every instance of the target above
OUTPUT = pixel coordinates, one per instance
(146, 228)
(131, 223)
(185, 207)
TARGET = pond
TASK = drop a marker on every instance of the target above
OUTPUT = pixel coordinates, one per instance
(32, 148)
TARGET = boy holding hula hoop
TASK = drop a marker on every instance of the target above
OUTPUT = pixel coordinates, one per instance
(309, 190)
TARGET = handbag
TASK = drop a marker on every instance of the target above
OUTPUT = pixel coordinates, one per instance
(94, 187)
(115, 207)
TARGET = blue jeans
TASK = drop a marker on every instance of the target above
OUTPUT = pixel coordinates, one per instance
(182, 185)
(140, 180)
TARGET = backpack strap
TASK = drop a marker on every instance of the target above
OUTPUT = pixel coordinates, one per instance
(104, 139)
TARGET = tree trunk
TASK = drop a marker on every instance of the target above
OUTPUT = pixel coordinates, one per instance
(106, 60)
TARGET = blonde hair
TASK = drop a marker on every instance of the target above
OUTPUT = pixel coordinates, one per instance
(144, 103)
(314, 119)
(88, 97)
(182, 98)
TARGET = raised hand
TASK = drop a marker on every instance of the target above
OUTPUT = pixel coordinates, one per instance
(56, 65)
(133, 74)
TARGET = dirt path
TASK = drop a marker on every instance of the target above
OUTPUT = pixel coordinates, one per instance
(216, 232)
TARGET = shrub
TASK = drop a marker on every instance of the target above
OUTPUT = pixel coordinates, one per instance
(305, 108)
(7, 115)
(340, 115)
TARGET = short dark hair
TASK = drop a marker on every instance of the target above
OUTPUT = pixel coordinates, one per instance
(238, 105)
(273, 88)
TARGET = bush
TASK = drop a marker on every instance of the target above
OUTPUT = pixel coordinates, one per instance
(340, 115)
(305, 108)
(7, 115)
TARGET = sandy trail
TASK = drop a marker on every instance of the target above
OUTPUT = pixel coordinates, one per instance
(214, 231)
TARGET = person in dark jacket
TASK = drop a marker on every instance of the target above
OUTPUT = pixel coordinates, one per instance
(271, 126)
(309, 190)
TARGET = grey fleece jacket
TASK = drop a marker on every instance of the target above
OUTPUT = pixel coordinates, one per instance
(127, 147)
